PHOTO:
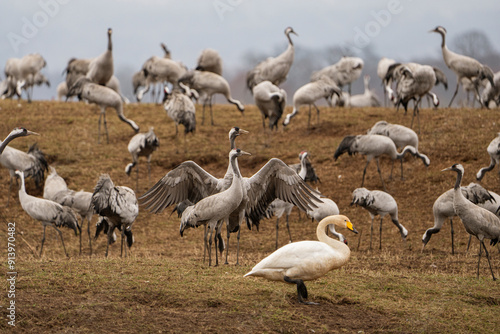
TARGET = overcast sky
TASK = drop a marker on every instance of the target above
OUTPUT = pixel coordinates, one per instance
(62, 29)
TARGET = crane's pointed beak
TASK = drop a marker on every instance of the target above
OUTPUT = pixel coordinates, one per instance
(446, 169)
(33, 133)
(244, 132)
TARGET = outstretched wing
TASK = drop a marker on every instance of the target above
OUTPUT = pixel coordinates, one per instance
(186, 181)
(277, 180)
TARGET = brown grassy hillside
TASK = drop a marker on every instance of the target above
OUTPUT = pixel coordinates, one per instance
(164, 286)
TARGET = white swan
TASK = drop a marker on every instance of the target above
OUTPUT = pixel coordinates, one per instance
(306, 260)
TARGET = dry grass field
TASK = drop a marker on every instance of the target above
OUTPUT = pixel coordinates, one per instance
(164, 286)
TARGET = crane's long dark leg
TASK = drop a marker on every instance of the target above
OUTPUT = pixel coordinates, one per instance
(211, 112)
(227, 246)
(301, 290)
(88, 231)
(205, 233)
(359, 239)
(43, 240)
(454, 94)
(380, 239)
(277, 228)
(488, 257)
(203, 112)
(452, 238)
(288, 227)
(61, 236)
(479, 257)
(238, 247)
(364, 171)
(210, 246)
(468, 244)
(380, 173)
(317, 114)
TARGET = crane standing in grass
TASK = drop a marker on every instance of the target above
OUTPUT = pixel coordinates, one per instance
(478, 221)
(49, 213)
(142, 144)
(118, 205)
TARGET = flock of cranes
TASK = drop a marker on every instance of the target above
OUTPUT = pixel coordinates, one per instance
(204, 200)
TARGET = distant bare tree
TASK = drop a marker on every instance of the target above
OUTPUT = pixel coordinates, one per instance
(473, 43)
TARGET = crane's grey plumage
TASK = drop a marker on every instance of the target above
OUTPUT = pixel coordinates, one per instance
(21, 71)
(373, 146)
(157, 69)
(464, 66)
(344, 72)
(180, 108)
(118, 205)
(33, 164)
(414, 81)
(494, 153)
(310, 174)
(104, 97)
(207, 84)
(101, 67)
(217, 207)
(57, 190)
(382, 67)
(142, 145)
(271, 101)
(492, 93)
(75, 69)
(49, 213)
(309, 93)
(400, 135)
(327, 208)
(367, 99)
(442, 209)
(478, 221)
(273, 69)
(378, 202)
(15, 133)
(209, 60)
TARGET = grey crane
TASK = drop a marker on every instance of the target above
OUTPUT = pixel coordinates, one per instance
(271, 101)
(464, 66)
(56, 189)
(101, 67)
(104, 97)
(217, 207)
(33, 164)
(492, 93)
(209, 60)
(414, 83)
(378, 202)
(118, 205)
(157, 69)
(180, 108)
(21, 71)
(49, 213)
(310, 175)
(309, 93)
(442, 209)
(15, 133)
(142, 145)
(327, 208)
(478, 221)
(382, 67)
(400, 135)
(373, 146)
(344, 72)
(75, 69)
(273, 69)
(494, 152)
(207, 84)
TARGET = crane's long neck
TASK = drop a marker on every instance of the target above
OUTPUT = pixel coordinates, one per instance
(6, 141)
(341, 248)
(303, 168)
(290, 43)
(110, 43)
(237, 181)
